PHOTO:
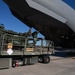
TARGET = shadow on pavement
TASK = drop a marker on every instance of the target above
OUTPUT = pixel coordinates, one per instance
(63, 54)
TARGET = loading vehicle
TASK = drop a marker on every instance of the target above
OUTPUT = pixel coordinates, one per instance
(23, 48)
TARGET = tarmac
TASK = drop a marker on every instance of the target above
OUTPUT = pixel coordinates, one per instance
(61, 64)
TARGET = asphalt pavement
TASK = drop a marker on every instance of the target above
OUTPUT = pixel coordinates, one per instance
(61, 64)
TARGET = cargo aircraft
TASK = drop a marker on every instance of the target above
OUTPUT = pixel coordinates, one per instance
(54, 19)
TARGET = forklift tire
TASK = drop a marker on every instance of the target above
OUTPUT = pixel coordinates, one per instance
(46, 59)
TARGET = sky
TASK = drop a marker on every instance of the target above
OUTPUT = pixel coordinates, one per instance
(70, 2)
(12, 23)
